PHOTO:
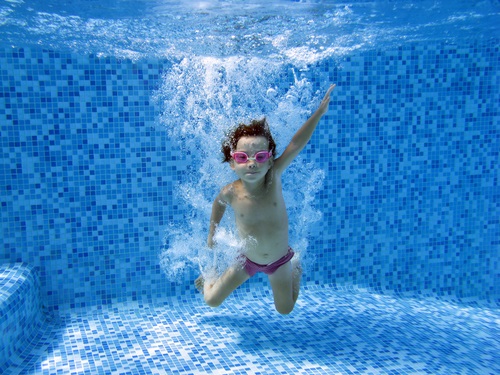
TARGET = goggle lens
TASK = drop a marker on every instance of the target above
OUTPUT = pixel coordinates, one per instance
(260, 157)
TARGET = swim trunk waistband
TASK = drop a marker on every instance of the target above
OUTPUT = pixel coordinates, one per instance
(252, 268)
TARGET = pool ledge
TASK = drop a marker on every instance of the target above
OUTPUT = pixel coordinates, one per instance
(21, 313)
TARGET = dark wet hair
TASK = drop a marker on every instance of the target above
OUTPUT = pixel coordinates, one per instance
(255, 129)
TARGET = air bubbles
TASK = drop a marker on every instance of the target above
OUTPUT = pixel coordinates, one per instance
(271, 92)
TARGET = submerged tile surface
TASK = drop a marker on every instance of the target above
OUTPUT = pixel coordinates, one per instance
(331, 331)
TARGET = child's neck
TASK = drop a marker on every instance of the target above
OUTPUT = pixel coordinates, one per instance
(256, 188)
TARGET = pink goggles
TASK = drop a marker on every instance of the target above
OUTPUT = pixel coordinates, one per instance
(241, 157)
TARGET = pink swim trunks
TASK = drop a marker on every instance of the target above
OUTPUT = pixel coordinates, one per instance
(252, 268)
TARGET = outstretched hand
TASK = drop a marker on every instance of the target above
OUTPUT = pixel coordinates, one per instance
(323, 107)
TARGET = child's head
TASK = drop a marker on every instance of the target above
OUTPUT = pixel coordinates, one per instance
(254, 129)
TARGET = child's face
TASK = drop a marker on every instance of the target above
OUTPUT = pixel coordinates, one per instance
(252, 171)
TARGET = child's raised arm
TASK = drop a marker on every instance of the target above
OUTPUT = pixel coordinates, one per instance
(303, 135)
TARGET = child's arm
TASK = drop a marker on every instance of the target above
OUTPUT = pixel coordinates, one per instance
(303, 135)
(218, 210)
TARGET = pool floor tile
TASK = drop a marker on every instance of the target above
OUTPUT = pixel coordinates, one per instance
(330, 331)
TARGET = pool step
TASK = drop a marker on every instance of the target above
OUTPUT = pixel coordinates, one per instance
(20, 309)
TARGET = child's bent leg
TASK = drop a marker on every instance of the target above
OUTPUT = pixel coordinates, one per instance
(217, 291)
(296, 276)
(285, 283)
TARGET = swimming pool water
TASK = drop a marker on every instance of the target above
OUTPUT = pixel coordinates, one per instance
(410, 152)
(407, 247)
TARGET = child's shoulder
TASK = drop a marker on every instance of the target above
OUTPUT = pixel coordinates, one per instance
(228, 192)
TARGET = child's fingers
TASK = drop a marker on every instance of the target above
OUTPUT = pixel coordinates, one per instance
(330, 89)
(327, 95)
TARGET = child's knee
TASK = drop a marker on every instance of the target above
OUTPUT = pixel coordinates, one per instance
(212, 302)
(284, 309)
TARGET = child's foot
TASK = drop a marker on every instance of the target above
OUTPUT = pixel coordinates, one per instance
(199, 283)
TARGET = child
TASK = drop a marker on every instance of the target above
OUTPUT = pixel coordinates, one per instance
(260, 212)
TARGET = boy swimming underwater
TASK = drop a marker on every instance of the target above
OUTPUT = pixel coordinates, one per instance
(256, 198)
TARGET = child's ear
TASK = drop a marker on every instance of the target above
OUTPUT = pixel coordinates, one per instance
(231, 164)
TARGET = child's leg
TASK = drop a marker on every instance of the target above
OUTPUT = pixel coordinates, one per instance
(296, 276)
(285, 283)
(217, 291)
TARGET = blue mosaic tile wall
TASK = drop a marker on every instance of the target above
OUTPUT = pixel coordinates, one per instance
(86, 179)
(411, 150)
(412, 197)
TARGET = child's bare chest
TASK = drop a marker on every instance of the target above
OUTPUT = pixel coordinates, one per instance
(259, 210)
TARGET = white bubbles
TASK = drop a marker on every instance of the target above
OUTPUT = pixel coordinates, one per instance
(226, 252)
(271, 92)
(302, 32)
(182, 252)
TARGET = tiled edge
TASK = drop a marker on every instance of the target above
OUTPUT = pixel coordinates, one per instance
(21, 313)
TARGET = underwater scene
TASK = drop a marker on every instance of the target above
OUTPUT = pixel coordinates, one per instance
(112, 117)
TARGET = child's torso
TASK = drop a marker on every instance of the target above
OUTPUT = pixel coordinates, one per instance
(262, 222)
